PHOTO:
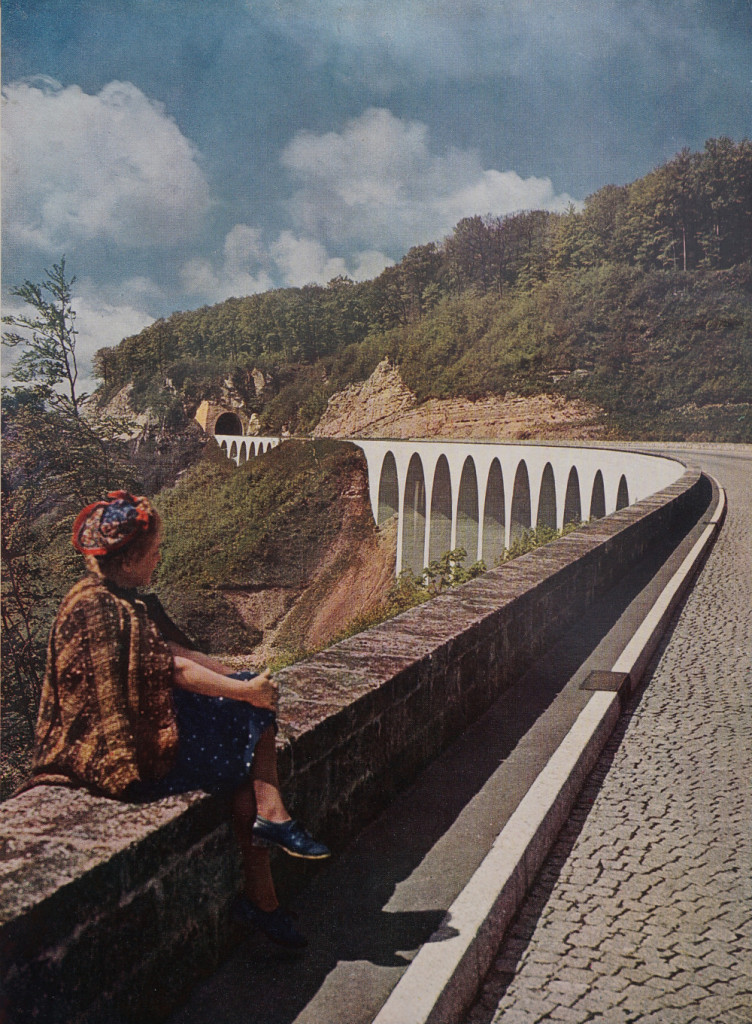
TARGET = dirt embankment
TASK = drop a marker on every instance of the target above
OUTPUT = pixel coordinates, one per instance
(383, 406)
(353, 577)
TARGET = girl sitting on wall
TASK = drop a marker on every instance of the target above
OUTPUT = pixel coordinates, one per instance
(129, 710)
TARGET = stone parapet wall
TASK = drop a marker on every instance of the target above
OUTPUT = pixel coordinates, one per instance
(109, 910)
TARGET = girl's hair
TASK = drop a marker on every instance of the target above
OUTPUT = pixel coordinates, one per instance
(111, 563)
(109, 533)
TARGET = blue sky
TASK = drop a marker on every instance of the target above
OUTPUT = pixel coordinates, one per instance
(181, 151)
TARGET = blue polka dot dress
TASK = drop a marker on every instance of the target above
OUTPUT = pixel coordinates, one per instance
(216, 740)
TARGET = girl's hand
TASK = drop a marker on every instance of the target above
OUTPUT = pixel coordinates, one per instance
(263, 691)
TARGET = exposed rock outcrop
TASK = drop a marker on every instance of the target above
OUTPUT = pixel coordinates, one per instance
(119, 408)
(362, 407)
(353, 576)
(383, 406)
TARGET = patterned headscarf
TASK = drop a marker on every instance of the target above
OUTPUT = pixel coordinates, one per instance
(107, 526)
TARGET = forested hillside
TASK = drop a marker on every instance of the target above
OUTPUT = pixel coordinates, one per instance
(646, 293)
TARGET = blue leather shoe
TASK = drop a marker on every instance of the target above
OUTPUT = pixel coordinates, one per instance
(276, 924)
(289, 836)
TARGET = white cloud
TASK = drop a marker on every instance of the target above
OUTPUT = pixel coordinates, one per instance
(242, 270)
(304, 260)
(378, 184)
(443, 40)
(101, 324)
(248, 266)
(373, 188)
(113, 166)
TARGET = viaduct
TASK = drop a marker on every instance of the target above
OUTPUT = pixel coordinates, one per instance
(481, 496)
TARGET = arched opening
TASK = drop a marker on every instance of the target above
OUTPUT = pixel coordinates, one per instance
(519, 520)
(234, 450)
(388, 503)
(223, 447)
(598, 498)
(228, 423)
(441, 511)
(467, 512)
(547, 499)
(493, 516)
(252, 449)
(414, 517)
(572, 504)
(622, 495)
(243, 451)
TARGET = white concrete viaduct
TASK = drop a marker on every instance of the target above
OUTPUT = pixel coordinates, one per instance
(481, 496)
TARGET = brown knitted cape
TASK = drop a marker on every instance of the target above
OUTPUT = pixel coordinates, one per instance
(106, 717)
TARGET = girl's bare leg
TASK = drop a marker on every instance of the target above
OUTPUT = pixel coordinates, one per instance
(266, 781)
(259, 885)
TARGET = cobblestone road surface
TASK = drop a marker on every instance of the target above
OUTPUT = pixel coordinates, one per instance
(643, 911)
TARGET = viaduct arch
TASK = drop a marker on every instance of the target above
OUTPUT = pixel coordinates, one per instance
(242, 448)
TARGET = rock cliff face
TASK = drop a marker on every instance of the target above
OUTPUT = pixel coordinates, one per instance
(360, 408)
(383, 406)
(119, 407)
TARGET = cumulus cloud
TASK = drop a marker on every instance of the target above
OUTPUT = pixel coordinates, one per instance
(248, 266)
(374, 188)
(113, 166)
(378, 183)
(242, 269)
(101, 324)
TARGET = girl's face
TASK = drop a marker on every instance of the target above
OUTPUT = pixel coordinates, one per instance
(138, 570)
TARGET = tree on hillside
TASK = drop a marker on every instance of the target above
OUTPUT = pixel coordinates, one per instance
(48, 359)
(56, 458)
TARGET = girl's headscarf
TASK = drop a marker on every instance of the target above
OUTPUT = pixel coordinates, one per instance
(107, 526)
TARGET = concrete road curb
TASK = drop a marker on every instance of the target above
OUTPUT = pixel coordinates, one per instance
(445, 975)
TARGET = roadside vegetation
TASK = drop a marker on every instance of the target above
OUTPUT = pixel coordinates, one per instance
(410, 589)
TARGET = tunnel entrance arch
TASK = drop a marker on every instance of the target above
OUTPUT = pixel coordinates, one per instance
(228, 423)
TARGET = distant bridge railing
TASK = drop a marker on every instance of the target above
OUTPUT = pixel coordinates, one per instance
(481, 496)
